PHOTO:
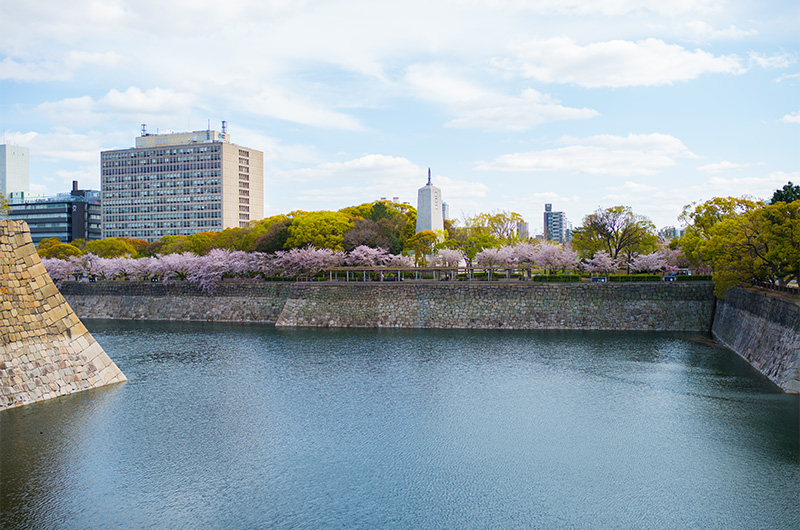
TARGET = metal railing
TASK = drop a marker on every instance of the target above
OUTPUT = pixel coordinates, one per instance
(775, 287)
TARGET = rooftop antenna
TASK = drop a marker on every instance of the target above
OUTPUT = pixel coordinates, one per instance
(429, 176)
(144, 129)
(224, 127)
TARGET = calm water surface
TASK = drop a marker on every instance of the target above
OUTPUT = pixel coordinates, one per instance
(228, 426)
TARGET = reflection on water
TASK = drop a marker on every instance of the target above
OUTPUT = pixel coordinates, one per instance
(253, 426)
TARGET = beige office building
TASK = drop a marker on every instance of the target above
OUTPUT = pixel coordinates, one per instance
(180, 184)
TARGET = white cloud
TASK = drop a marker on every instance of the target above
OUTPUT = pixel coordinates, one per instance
(273, 102)
(759, 187)
(792, 117)
(777, 60)
(517, 114)
(33, 71)
(369, 177)
(132, 105)
(705, 31)
(616, 63)
(785, 77)
(725, 165)
(609, 7)
(623, 156)
(481, 109)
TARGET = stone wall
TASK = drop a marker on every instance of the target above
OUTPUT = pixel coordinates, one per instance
(45, 351)
(765, 330)
(516, 305)
(232, 301)
(521, 305)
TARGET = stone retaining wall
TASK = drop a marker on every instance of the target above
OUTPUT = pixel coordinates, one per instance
(45, 351)
(232, 301)
(521, 305)
(765, 330)
(515, 305)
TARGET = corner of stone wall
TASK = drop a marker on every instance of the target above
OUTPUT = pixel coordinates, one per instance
(765, 331)
(45, 350)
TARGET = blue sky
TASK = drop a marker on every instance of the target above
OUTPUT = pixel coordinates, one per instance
(512, 103)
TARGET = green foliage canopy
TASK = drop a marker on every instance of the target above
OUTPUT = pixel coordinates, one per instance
(617, 231)
(323, 229)
(759, 244)
(789, 193)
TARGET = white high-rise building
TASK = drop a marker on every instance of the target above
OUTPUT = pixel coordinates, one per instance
(429, 207)
(14, 171)
(556, 226)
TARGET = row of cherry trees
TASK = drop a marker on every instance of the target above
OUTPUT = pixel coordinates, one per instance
(556, 258)
(207, 270)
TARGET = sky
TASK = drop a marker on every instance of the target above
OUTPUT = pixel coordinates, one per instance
(511, 103)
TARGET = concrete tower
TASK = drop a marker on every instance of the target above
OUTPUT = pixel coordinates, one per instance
(429, 207)
(14, 170)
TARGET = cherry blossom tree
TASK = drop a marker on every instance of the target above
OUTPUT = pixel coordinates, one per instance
(447, 257)
(601, 262)
(495, 257)
(364, 256)
(653, 262)
(525, 253)
(58, 269)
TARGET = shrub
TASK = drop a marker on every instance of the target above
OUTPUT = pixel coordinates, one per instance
(557, 278)
(634, 278)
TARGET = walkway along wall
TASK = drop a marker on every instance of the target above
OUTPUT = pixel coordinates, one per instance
(45, 351)
(765, 330)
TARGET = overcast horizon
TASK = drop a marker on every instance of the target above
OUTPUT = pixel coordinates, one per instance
(511, 103)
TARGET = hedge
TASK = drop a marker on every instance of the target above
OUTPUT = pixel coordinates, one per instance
(557, 278)
(634, 278)
(693, 278)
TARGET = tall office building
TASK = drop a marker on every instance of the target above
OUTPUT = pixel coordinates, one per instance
(14, 171)
(429, 207)
(180, 184)
(556, 226)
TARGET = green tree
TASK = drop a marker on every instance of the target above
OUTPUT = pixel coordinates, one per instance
(422, 243)
(503, 226)
(59, 250)
(46, 243)
(758, 244)
(275, 237)
(323, 229)
(617, 231)
(5, 209)
(110, 248)
(702, 218)
(789, 193)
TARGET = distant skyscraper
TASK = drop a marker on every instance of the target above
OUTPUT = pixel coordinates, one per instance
(429, 207)
(556, 226)
(180, 184)
(523, 230)
(14, 171)
(445, 211)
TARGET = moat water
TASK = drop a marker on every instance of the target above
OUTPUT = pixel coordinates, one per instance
(248, 426)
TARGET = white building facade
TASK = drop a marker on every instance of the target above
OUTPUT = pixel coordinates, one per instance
(429, 207)
(180, 184)
(14, 171)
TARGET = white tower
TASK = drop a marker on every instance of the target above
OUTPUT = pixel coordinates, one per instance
(429, 207)
(14, 170)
